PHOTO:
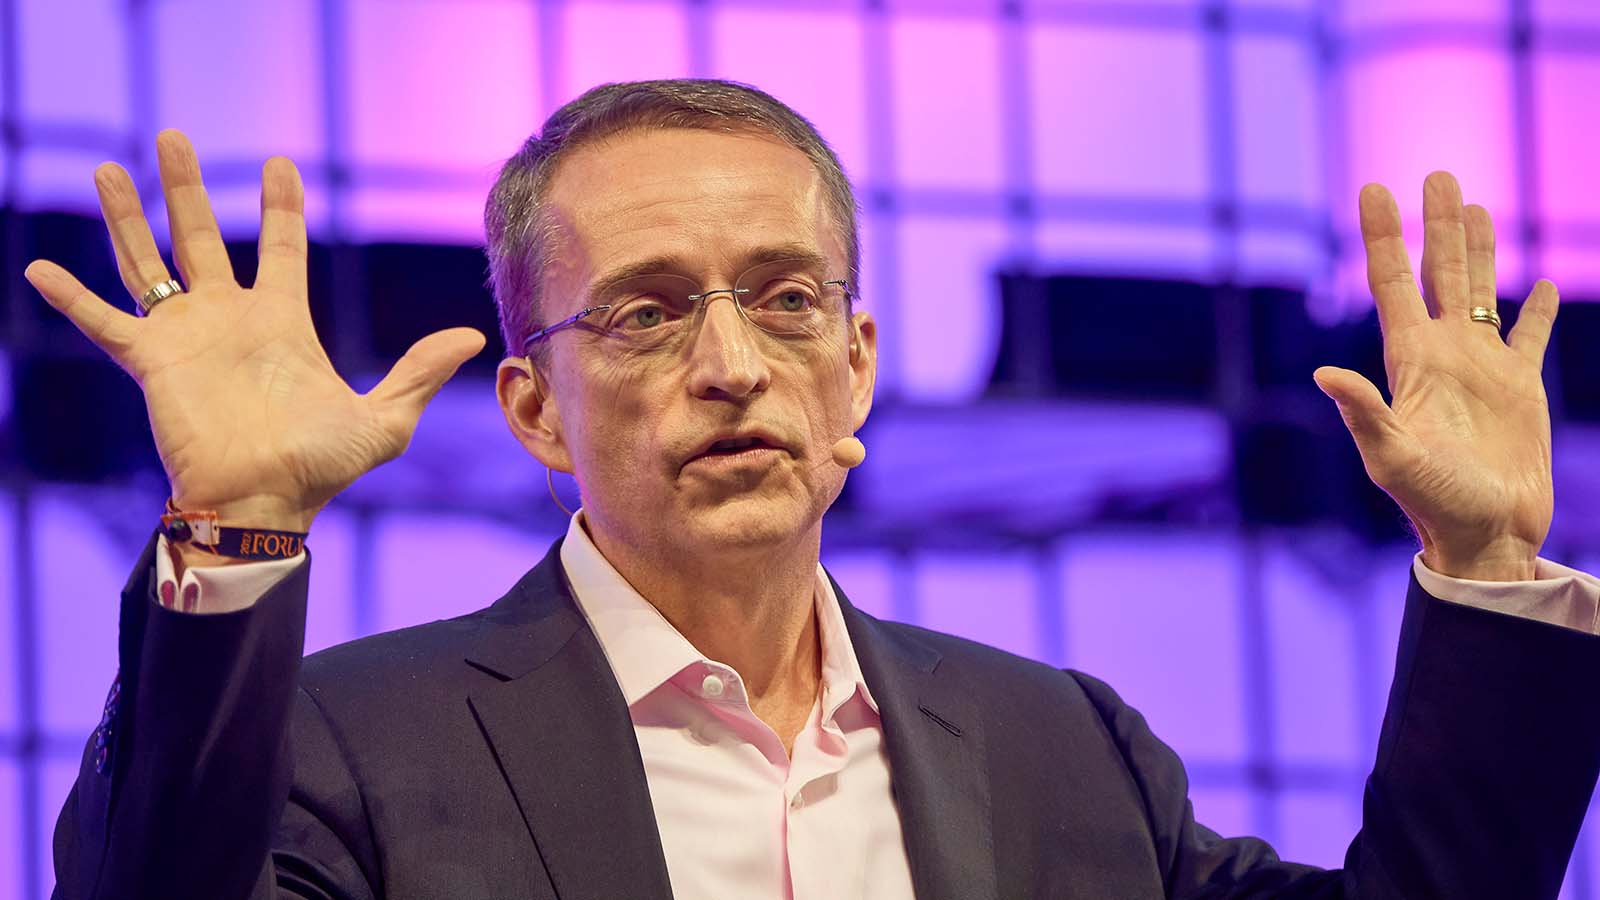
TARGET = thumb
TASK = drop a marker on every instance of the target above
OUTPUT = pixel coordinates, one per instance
(430, 362)
(1370, 420)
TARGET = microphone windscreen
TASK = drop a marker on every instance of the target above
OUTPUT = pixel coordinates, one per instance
(849, 452)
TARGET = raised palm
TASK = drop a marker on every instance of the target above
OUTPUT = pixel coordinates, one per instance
(248, 414)
(1464, 447)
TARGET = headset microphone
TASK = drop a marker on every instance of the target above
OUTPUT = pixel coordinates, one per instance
(849, 452)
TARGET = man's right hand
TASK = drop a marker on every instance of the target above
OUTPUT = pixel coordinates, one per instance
(249, 416)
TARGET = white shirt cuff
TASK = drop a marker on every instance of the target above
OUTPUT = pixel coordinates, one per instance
(217, 589)
(1557, 595)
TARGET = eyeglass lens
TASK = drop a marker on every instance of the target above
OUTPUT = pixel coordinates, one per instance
(784, 297)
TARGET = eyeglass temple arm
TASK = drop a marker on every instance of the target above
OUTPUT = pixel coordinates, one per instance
(548, 330)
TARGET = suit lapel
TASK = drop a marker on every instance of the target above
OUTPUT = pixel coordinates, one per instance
(934, 734)
(560, 729)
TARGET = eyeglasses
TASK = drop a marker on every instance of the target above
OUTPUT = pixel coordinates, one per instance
(786, 298)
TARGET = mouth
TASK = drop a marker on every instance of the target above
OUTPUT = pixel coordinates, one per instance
(752, 447)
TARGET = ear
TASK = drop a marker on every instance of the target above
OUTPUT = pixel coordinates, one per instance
(863, 366)
(531, 412)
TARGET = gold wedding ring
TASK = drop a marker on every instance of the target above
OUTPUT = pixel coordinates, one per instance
(1486, 314)
(162, 291)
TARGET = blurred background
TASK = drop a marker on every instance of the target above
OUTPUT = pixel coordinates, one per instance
(1107, 242)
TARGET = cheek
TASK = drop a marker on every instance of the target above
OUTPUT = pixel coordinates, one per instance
(618, 433)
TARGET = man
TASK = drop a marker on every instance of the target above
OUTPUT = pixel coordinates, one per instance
(677, 700)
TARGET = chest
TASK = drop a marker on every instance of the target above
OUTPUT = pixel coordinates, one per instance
(739, 816)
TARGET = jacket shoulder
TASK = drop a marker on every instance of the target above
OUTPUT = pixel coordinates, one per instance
(390, 659)
(986, 667)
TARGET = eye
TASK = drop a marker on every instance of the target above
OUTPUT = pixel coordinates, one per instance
(642, 314)
(788, 300)
(643, 317)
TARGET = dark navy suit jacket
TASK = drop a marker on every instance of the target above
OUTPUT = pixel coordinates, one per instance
(491, 756)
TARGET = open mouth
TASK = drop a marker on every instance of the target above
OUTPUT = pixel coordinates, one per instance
(747, 450)
(733, 446)
(736, 445)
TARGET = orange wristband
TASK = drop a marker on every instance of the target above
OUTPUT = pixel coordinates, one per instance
(201, 529)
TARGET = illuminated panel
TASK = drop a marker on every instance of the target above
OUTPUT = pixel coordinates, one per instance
(989, 599)
(9, 657)
(1410, 113)
(1280, 257)
(1171, 6)
(1298, 6)
(1569, 171)
(876, 296)
(437, 566)
(1155, 615)
(58, 180)
(1316, 827)
(867, 579)
(1154, 250)
(437, 100)
(330, 615)
(1566, 12)
(89, 85)
(781, 52)
(1391, 571)
(1144, 138)
(946, 110)
(1312, 644)
(606, 42)
(949, 308)
(220, 93)
(1276, 109)
(1380, 13)
(11, 826)
(81, 568)
(1223, 810)
(56, 783)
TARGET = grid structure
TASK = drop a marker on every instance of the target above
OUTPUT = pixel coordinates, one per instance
(1219, 142)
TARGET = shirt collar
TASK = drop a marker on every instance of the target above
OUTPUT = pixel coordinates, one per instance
(645, 650)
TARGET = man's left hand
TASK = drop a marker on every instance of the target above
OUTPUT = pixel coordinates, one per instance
(1464, 448)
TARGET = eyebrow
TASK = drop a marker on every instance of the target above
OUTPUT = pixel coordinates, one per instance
(673, 264)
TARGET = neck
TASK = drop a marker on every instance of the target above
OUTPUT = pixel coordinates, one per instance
(752, 609)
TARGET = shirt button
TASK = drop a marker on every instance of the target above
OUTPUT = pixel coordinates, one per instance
(797, 801)
(713, 686)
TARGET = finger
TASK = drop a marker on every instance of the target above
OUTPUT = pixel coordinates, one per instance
(1480, 256)
(138, 259)
(1370, 420)
(1394, 288)
(283, 227)
(196, 242)
(430, 362)
(1446, 283)
(1532, 332)
(109, 328)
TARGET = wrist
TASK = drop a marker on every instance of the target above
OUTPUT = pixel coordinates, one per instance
(235, 532)
(1503, 559)
(262, 511)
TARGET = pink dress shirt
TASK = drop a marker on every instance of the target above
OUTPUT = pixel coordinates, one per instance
(738, 817)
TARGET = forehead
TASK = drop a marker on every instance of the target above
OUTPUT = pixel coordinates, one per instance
(705, 200)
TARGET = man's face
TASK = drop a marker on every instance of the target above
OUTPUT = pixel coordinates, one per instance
(635, 426)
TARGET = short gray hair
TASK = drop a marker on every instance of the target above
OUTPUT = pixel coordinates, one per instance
(520, 236)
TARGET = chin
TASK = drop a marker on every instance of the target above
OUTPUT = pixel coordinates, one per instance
(746, 520)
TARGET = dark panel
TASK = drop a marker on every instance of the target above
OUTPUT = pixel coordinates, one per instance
(414, 290)
(80, 419)
(1106, 337)
(1577, 350)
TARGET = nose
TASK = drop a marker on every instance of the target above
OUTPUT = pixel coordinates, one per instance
(725, 359)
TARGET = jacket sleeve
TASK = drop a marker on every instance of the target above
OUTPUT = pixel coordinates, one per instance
(188, 787)
(1486, 761)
